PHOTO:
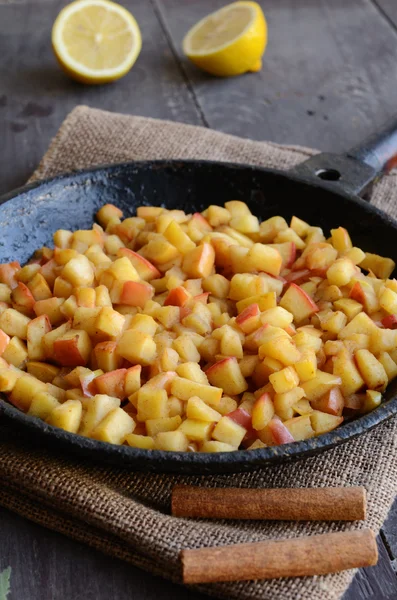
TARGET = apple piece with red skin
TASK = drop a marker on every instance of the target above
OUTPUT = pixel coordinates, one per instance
(131, 293)
(279, 432)
(332, 402)
(200, 222)
(7, 273)
(49, 271)
(87, 383)
(145, 269)
(287, 251)
(111, 383)
(23, 297)
(198, 263)
(4, 339)
(249, 319)
(178, 296)
(242, 417)
(227, 375)
(184, 312)
(73, 349)
(203, 298)
(297, 302)
(390, 322)
(298, 276)
(364, 293)
(262, 411)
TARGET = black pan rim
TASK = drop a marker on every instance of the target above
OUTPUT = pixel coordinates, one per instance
(237, 459)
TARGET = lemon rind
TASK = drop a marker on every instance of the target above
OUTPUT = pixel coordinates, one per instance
(252, 6)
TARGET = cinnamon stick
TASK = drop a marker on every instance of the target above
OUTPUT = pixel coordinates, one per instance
(305, 556)
(282, 504)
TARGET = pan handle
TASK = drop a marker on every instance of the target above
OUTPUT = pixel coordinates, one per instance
(356, 170)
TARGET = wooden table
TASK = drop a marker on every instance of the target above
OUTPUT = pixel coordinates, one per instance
(329, 79)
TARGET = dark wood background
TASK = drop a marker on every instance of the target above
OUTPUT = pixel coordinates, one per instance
(329, 79)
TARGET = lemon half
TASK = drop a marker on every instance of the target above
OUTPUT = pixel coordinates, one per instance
(230, 41)
(96, 41)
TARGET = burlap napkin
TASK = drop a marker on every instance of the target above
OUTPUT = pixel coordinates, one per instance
(127, 514)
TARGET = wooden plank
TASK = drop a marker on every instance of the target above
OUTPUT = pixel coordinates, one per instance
(35, 96)
(46, 565)
(64, 568)
(329, 76)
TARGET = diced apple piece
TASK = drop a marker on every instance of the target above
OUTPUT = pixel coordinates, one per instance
(198, 410)
(323, 422)
(112, 383)
(78, 271)
(50, 307)
(388, 364)
(332, 402)
(200, 261)
(24, 390)
(96, 410)
(346, 370)
(371, 370)
(114, 427)
(341, 272)
(264, 302)
(152, 404)
(43, 371)
(197, 431)
(262, 412)
(185, 389)
(284, 380)
(109, 322)
(140, 441)
(288, 250)
(226, 374)
(271, 227)
(229, 432)
(137, 347)
(264, 258)
(14, 323)
(381, 267)
(249, 319)
(132, 381)
(131, 293)
(300, 427)
(73, 348)
(284, 403)
(281, 348)
(16, 352)
(4, 340)
(106, 213)
(145, 269)
(306, 366)
(192, 371)
(36, 329)
(178, 296)
(278, 432)
(107, 357)
(213, 446)
(67, 416)
(318, 386)
(186, 348)
(340, 239)
(297, 302)
(42, 405)
(361, 323)
(364, 293)
(8, 378)
(172, 441)
(382, 340)
(372, 400)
